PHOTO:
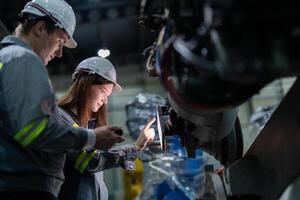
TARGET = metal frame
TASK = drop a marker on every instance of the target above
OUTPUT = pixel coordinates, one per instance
(272, 162)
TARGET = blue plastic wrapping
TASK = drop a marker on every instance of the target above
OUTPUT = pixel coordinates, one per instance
(139, 110)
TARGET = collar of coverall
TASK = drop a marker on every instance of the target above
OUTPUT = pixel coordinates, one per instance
(11, 40)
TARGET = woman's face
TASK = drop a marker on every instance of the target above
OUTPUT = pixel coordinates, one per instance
(99, 95)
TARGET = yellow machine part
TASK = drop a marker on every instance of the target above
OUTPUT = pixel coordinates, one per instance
(133, 181)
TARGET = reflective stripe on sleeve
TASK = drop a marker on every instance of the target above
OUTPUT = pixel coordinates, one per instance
(83, 160)
(80, 159)
(1, 66)
(18, 136)
(30, 132)
(87, 161)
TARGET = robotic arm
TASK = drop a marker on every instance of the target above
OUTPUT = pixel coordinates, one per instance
(212, 56)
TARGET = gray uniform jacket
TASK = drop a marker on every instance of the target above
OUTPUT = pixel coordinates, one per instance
(83, 169)
(33, 139)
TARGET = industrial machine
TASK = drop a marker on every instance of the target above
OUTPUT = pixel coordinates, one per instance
(213, 55)
(168, 173)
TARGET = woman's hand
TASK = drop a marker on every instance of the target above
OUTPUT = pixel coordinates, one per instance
(146, 136)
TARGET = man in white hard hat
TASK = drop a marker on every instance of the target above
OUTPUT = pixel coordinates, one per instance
(33, 138)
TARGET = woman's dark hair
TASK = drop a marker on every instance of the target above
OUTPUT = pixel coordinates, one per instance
(77, 98)
(28, 21)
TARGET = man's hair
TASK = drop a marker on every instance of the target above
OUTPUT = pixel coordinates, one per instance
(27, 21)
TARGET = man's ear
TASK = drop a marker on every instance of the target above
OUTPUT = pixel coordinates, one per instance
(39, 28)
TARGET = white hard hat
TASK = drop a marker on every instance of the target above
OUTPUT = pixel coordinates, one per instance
(100, 66)
(57, 10)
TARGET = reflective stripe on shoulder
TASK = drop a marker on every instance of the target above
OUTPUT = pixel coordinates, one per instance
(83, 160)
(1, 66)
(31, 131)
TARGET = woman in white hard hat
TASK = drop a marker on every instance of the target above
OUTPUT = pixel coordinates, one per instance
(84, 105)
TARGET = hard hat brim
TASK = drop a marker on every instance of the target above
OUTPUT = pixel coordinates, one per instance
(116, 87)
(71, 43)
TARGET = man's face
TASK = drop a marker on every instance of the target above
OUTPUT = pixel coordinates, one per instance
(52, 45)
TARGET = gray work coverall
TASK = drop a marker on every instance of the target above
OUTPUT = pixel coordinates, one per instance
(33, 139)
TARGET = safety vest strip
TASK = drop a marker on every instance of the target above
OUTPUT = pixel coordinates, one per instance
(87, 161)
(35, 133)
(1, 66)
(18, 136)
(80, 159)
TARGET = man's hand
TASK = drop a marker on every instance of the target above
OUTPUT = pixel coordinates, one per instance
(146, 135)
(106, 137)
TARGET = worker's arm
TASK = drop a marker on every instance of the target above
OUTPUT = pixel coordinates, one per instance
(123, 156)
(31, 112)
(92, 161)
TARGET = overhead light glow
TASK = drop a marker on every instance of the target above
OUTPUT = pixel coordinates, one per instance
(103, 53)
